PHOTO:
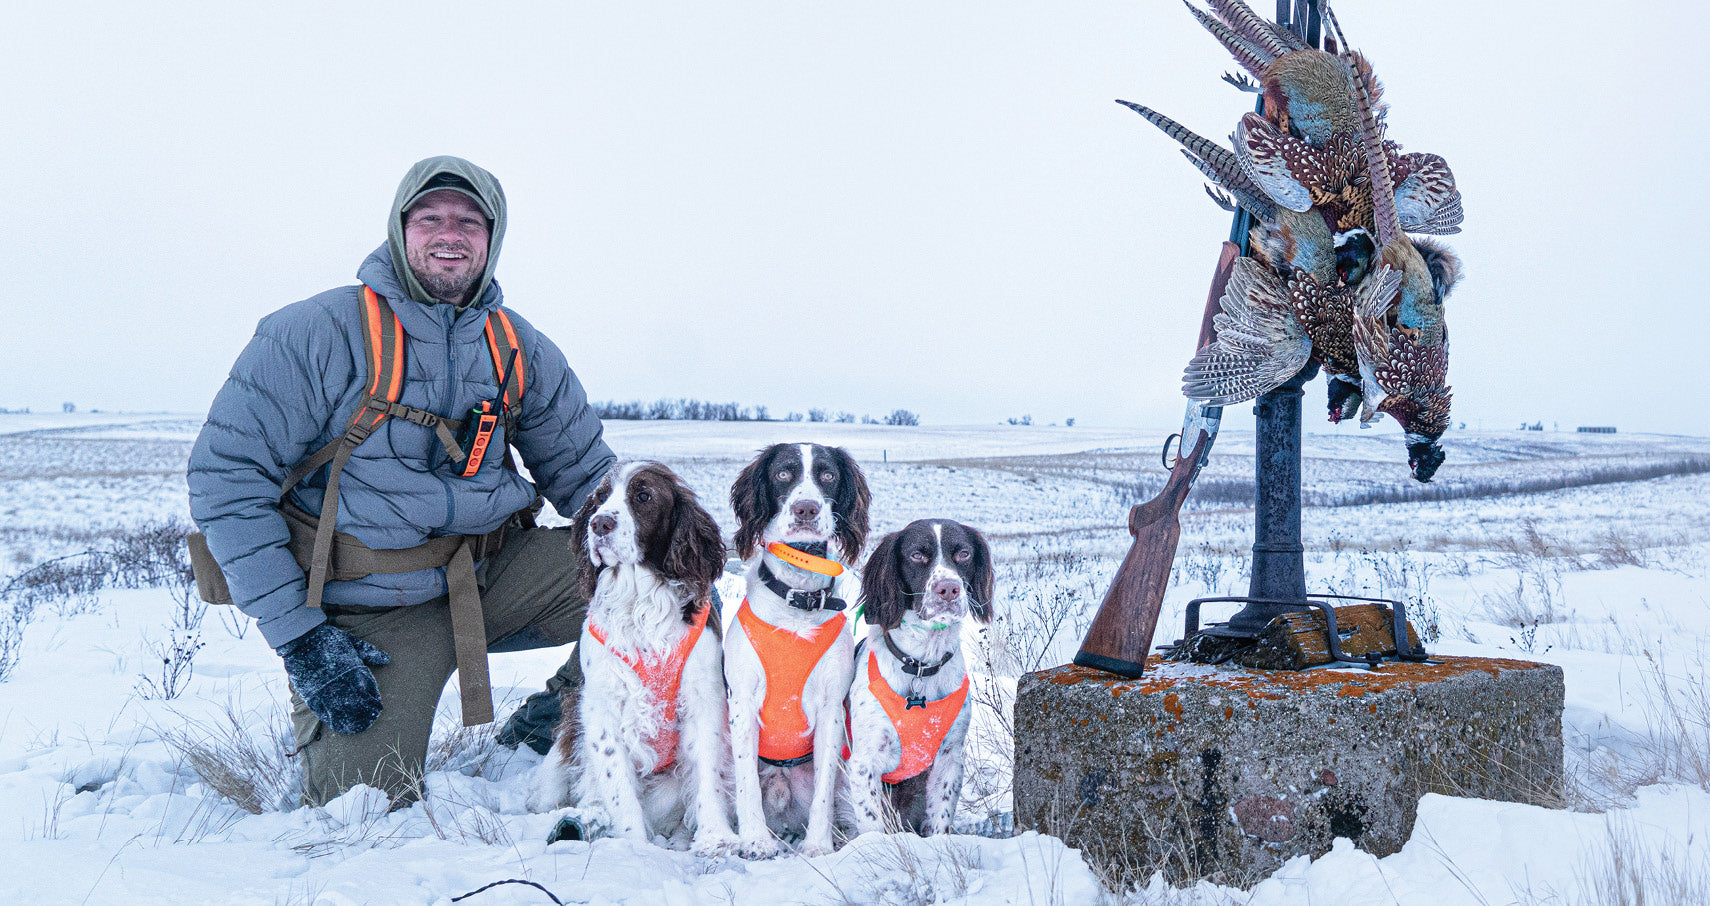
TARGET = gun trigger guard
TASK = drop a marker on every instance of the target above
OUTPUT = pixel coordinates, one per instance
(1168, 460)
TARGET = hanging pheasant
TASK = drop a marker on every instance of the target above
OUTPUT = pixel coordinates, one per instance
(1333, 201)
(1297, 269)
(1304, 152)
(1400, 335)
(1270, 326)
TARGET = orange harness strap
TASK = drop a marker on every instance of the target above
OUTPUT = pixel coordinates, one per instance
(662, 678)
(920, 729)
(787, 659)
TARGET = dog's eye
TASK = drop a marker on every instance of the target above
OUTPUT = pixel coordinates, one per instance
(643, 496)
(827, 477)
(919, 557)
(785, 474)
(963, 555)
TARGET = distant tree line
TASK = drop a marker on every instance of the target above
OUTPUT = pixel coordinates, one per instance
(688, 410)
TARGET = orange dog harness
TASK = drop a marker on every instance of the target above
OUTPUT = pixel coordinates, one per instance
(787, 659)
(662, 678)
(921, 726)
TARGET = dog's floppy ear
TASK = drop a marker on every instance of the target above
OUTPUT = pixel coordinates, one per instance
(696, 552)
(751, 504)
(587, 574)
(883, 596)
(984, 579)
(850, 508)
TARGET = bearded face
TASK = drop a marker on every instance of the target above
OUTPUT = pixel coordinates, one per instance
(445, 244)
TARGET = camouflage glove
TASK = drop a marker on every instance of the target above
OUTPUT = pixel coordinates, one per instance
(329, 669)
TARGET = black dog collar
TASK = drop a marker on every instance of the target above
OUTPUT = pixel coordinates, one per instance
(795, 597)
(915, 667)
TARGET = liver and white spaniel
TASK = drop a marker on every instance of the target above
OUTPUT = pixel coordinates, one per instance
(802, 513)
(642, 750)
(908, 704)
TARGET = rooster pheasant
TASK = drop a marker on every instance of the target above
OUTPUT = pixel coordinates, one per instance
(1334, 202)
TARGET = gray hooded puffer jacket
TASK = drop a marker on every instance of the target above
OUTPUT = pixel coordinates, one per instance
(294, 388)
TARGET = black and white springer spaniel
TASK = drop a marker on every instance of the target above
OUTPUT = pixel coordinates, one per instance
(802, 513)
(908, 703)
(642, 750)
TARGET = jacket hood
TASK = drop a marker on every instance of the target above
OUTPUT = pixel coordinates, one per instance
(446, 172)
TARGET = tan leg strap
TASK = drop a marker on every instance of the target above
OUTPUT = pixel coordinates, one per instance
(321, 557)
(469, 636)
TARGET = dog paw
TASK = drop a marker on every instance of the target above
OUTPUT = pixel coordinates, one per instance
(816, 849)
(714, 845)
(763, 848)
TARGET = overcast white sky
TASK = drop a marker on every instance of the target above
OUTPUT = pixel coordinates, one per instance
(861, 206)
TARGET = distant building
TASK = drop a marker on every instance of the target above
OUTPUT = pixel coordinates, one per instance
(1597, 429)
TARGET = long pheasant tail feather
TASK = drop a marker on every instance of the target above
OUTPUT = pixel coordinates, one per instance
(1199, 146)
(1388, 222)
(1258, 31)
(1218, 163)
(1368, 95)
(1252, 57)
(1228, 176)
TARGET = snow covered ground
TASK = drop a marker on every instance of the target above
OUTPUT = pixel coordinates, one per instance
(107, 786)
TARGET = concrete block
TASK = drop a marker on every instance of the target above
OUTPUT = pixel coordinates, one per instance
(1225, 773)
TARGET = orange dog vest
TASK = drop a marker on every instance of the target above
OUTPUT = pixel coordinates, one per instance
(787, 659)
(922, 728)
(662, 678)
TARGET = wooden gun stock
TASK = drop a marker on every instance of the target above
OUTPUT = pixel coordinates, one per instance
(1121, 632)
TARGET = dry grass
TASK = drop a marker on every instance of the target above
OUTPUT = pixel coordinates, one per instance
(1162, 860)
(903, 870)
(1677, 716)
(1628, 868)
(254, 772)
(146, 555)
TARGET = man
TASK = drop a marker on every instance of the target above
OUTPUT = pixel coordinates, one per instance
(367, 666)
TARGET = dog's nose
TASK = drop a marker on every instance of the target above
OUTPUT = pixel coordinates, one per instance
(603, 524)
(805, 510)
(947, 589)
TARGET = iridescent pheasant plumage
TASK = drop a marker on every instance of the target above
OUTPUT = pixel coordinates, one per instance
(1333, 276)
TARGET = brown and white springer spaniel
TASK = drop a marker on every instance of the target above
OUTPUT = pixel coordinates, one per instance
(642, 750)
(802, 513)
(908, 704)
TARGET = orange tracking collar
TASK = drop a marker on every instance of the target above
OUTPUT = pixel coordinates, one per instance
(787, 659)
(804, 560)
(662, 678)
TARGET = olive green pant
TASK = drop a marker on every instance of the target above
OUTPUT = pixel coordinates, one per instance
(529, 599)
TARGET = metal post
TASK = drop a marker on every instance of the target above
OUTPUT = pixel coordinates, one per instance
(1279, 559)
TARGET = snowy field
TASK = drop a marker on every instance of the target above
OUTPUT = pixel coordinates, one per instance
(143, 743)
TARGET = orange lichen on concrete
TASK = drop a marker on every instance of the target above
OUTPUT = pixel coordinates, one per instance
(1173, 705)
(1260, 685)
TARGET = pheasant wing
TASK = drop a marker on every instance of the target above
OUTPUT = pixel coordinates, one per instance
(1287, 168)
(1259, 342)
(1371, 335)
(1425, 195)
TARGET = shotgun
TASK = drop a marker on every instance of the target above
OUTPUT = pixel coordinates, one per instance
(1121, 633)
